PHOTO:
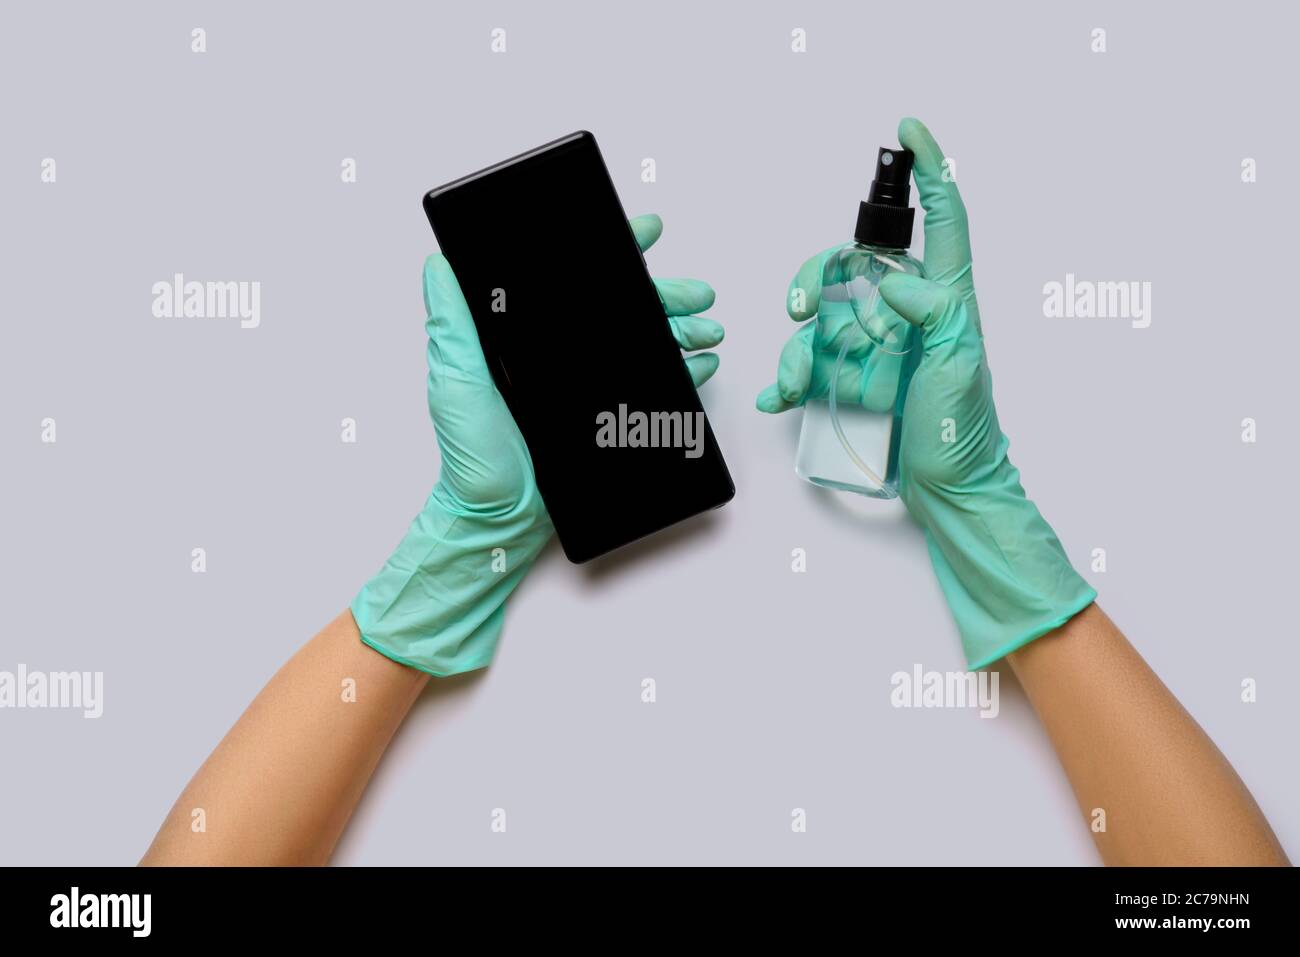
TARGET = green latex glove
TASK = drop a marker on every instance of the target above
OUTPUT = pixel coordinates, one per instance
(1001, 567)
(438, 603)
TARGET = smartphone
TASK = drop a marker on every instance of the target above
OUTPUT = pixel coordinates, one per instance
(579, 346)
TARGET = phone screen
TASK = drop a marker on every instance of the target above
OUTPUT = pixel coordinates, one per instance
(578, 343)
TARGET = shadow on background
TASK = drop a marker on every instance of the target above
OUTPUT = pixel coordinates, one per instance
(623, 560)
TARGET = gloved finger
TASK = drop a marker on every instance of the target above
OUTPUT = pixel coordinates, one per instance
(935, 308)
(878, 383)
(681, 297)
(795, 369)
(870, 383)
(804, 295)
(696, 332)
(769, 400)
(453, 339)
(647, 230)
(947, 234)
(701, 366)
(836, 325)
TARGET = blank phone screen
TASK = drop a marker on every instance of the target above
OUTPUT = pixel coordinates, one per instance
(578, 343)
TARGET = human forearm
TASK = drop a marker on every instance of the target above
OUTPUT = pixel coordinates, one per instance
(282, 784)
(1130, 749)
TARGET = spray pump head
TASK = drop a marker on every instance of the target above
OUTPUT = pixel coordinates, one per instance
(885, 219)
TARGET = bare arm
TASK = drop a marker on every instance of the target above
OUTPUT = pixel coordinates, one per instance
(1129, 747)
(281, 785)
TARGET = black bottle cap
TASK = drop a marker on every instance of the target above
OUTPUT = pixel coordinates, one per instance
(885, 219)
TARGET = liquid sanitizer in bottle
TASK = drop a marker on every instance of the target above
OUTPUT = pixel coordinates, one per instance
(852, 420)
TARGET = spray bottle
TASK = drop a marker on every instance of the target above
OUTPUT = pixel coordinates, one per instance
(852, 423)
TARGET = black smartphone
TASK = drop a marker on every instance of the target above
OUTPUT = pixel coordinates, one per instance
(579, 345)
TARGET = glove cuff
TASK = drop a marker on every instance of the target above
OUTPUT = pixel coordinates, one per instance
(1004, 573)
(438, 603)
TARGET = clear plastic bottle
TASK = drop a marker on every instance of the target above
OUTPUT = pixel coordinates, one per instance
(850, 435)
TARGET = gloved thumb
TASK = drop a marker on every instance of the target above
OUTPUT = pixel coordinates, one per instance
(468, 412)
(453, 338)
(922, 302)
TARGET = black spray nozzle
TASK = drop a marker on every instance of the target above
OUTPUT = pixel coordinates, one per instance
(893, 183)
(885, 219)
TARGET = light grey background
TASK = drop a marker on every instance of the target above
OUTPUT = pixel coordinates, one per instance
(773, 687)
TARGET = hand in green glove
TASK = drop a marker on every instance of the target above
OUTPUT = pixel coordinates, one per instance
(438, 603)
(1001, 567)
